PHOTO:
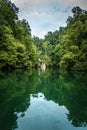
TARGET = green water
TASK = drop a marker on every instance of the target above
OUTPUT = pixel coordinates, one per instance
(50, 100)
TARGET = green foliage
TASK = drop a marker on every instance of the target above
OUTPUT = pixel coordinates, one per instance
(71, 50)
(22, 29)
(66, 48)
(17, 49)
(67, 61)
(44, 50)
(7, 47)
(52, 37)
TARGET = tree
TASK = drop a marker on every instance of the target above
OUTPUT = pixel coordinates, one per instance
(17, 49)
(69, 52)
(52, 37)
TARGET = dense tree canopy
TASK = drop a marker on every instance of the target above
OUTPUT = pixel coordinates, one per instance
(16, 45)
(72, 48)
(69, 44)
(65, 48)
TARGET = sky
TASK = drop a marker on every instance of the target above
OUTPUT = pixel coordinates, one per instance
(46, 15)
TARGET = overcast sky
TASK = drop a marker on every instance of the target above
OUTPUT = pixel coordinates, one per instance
(46, 15)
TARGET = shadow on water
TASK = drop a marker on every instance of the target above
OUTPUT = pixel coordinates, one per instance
(65, 89)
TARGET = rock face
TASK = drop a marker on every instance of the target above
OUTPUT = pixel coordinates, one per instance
(43, 66)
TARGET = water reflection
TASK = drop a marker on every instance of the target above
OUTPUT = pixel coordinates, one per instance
(75, 97)
(42, 115)
(41, 99)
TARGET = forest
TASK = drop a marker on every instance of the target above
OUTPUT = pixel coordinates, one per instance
(65, 48)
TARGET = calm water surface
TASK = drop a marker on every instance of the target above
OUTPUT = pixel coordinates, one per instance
(50, 100)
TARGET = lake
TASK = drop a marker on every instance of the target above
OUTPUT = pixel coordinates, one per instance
(43, 100)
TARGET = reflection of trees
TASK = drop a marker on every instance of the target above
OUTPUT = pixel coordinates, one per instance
(69, 89)
(74, 96)
(14, 97)
(15, 88)
(63, 88)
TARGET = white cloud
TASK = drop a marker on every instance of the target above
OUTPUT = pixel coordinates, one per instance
(47, 15)
(62, 3)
